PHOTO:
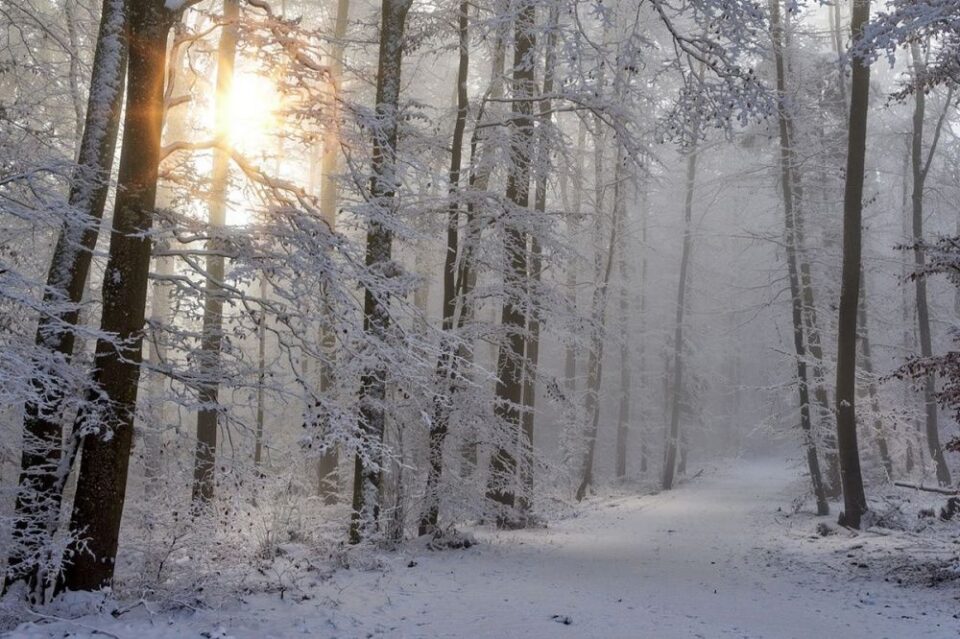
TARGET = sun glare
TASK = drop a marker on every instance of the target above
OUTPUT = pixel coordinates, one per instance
(251, 113)
(251, 119)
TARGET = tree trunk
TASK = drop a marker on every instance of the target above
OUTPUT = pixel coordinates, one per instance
(42, 470)
(106, 425)
(642, 355)
(623, 421)
(908, 321)
(261, 375)
(570, 352)
(373, 383)
(673, 435)
(787, 188)
(531, 361)
(595, 352)
(329, 462)
(920, 169)
(509, 392)
(866, 359)
(212, 336)
(854, 499)
(447, 365)
(481, 167)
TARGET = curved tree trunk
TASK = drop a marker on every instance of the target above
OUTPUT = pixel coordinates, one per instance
(595, 353)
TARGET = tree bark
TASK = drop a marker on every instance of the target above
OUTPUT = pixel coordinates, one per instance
(570, 352)
(854, 499)
(598, 335)
(42, 466)
(509, 392)
(212, 336)
(623, 421)
(673, 435)
(642, 354)
(920, 169)
(329, 462)
(788, 191)
(866, 360)
(106, 424)
(447, 364)
(367, 477)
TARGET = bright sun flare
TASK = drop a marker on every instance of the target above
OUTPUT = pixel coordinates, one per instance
(251, 112)
(251, 116)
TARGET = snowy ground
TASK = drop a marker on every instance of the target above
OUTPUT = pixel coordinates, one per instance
(721, 556)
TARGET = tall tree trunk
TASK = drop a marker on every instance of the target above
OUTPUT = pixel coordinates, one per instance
(367, 475)
(329, 462)
(447, 365)
(866, 360)
(261, 375)
(42, 469)
(509, 392)
(920, 169)
(854, 499)
(106, 425)
(595, 352)
(531, 361)
(573, 221)
(787, 188)
(673, 435)
(623, 421)
(482, 156)
(642, 354)
(908, 320)
(212, 336)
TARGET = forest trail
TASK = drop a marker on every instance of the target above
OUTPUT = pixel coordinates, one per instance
(707, 559)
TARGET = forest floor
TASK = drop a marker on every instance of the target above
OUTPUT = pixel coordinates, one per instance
(723, 555)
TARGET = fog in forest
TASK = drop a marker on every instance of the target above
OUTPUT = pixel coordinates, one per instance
(511, 318)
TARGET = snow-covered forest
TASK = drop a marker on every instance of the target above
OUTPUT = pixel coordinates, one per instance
(491, 318)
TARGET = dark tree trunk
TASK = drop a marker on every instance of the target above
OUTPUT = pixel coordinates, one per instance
(787, 188)
(106, 424)
(212, 335)
(854, 499)
(373, 384)
(509, 391)
(447, 366)
(532, 360)
(43, 468)
(920, 169)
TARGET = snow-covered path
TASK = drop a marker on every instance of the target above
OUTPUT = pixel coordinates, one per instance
(705, 560)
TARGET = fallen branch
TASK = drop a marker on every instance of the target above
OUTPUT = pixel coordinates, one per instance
(929, 489)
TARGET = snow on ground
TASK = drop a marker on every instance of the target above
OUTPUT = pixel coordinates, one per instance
(721, 556)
